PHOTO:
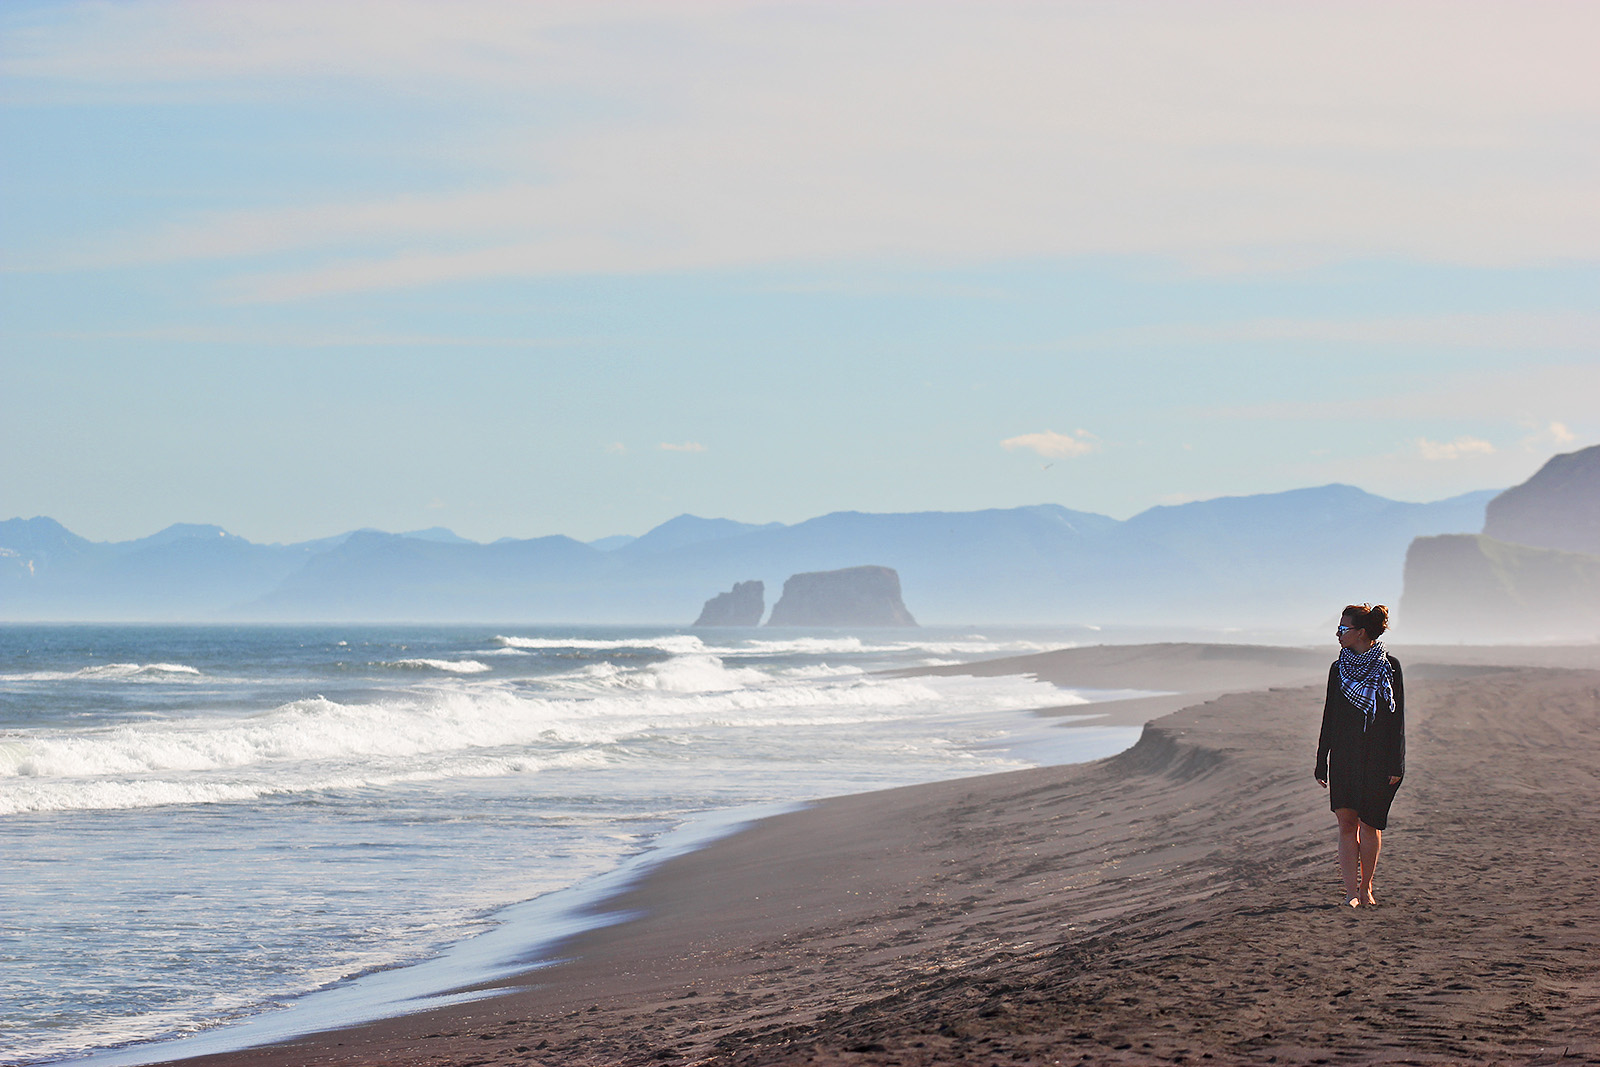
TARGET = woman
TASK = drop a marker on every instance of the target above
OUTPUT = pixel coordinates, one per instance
(1364, 734)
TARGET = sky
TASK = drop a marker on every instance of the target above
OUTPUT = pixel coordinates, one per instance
(524, 268)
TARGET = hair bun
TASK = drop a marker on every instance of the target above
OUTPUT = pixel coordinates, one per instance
(1376, 622)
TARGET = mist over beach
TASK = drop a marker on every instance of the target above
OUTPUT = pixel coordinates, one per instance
(777, 532)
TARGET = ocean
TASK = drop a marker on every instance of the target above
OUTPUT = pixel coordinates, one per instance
(245, 831)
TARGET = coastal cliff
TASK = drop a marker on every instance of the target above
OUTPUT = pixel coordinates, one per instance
(1559, 507)
(1474, 587)
(854, 596)
(1533, 572)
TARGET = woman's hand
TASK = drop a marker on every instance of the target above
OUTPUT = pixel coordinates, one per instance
(1394, 779)
(1323, 782)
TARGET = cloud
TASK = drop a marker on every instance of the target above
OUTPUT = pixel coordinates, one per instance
(1055, 445)
(1451, 450)
(687, 446)
(710, 134)
(1554, 435)
(616, 448)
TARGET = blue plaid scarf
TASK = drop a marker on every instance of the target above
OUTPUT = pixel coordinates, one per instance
(1365, 677)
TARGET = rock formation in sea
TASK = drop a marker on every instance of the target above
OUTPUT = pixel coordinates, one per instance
(854, 596)
(742, 605)
(1533, 574)
(1559, 507)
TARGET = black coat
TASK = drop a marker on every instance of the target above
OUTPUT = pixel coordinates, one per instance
(1357, 760)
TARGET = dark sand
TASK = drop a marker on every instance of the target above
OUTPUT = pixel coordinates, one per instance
(1178, 903)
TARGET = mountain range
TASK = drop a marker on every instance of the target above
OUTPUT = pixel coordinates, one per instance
(1231, 561)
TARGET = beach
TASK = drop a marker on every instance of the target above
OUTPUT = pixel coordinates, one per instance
(1176, 903)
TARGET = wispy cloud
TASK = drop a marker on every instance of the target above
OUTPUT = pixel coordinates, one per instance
(942, 133)
(1054, 445)
(1450, 450)
(687, 446)
(1551, 435)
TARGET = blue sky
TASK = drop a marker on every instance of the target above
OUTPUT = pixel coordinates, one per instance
(531, 268)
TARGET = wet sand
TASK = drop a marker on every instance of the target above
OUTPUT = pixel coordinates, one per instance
(1177, 903)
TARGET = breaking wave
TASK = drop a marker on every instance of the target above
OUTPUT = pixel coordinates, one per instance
(673, 643)
(157, 672)
(450, 666)
(473, 729)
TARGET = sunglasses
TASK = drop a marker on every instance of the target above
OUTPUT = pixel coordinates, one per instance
(1341, 631)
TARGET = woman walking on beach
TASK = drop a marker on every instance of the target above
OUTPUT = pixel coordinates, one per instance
(1364, 734)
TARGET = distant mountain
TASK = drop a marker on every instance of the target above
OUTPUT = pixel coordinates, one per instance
(1233, 561)
(953, 566)
(432, 533)
(1534, 572)
(1242, 561)
(39, 559)
(178, 531)
(378, 575)
(186, 571)
(689, 530)
(440, 534)
(1559, 507)
(1312, 542)
(43, 544)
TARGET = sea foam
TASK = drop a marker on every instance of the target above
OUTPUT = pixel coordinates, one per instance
(136, 672)
(465, 729)
(450, 666)
(676, 643)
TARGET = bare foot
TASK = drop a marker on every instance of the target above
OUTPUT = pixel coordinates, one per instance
(1368, 901)
(1353, 902)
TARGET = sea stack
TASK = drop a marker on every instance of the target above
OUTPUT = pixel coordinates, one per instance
(740, 606)
(854, 596)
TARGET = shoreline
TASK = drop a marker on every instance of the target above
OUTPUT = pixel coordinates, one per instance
(527, 935)
(525, 940)
(809, 934)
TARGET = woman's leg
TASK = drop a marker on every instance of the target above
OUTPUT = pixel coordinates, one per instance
(1370, 841)
(1350, 853)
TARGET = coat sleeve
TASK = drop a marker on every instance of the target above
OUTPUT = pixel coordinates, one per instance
(1325, 739)
(1398, 754)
